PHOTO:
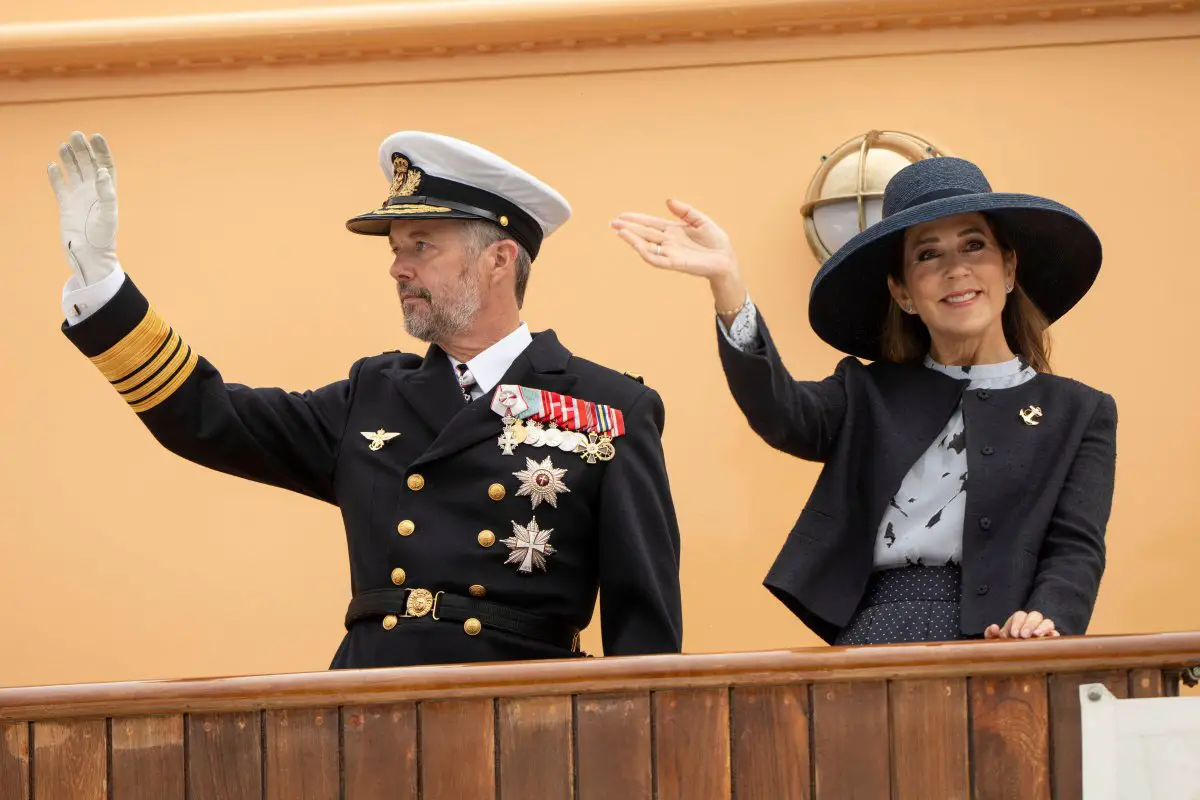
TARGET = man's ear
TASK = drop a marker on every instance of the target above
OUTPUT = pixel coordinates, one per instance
(502, 259)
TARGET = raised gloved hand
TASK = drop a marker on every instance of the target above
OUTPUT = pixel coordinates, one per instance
(87, 207)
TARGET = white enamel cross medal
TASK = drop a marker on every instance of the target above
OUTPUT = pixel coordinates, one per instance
(508, 439)
(529, 545)
(509, 403)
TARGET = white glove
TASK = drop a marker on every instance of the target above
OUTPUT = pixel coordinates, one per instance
(87, 207)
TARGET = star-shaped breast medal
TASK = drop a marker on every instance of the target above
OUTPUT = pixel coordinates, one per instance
(542, 482)
(529, 545)
(379, 438)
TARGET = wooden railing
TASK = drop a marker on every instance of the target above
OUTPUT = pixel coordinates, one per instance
(979, 719)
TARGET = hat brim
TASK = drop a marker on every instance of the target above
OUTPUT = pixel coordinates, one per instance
(1058, 258)
(379, 222)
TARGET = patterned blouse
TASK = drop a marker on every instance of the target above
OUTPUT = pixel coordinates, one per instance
(923, 524)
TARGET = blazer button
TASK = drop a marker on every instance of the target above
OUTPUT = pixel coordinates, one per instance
(982, 590)
(983, 394)
(486, 538)
(416, 482)
(988, 450)
(496, 492)
(406, 527)
(986, 523)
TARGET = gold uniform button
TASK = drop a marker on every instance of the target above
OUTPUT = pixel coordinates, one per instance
(472, 626)
(406, 527)
(398, 576)
(504, 221)
(416, 482)
(496, 491)
(486, 538)
(389, 622)
(478, 591)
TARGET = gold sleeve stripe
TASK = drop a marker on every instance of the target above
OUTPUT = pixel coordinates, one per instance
(173, 382)
(157, 378)
(129, 355)
(149, 364)
(152, 367)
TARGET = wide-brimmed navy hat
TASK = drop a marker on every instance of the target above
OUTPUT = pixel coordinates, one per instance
(1058, 253)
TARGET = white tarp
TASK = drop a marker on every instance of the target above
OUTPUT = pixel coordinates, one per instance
(1139, 749)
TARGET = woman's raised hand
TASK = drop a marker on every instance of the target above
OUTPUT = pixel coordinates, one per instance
(692, 243)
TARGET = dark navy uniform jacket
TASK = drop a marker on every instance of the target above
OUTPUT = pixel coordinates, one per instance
(431, 507)
(1037, 509)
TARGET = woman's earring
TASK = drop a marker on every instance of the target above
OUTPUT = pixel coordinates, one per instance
(1008, 289)
(911, 309)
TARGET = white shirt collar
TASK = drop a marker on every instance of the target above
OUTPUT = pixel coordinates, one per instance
(489, 366)
(1004, 375)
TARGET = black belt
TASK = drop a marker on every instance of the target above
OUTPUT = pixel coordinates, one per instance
(384, 603)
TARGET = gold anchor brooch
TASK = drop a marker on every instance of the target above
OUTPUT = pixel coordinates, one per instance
(1031, 415)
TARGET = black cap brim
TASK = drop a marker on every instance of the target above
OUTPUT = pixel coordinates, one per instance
(379, 222)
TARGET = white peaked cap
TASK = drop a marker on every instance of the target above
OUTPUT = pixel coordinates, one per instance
(434, 176)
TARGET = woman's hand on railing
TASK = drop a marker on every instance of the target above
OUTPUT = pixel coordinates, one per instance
(1023, 625)
(692, 244)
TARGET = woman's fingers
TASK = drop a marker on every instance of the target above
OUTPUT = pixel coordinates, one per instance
(1032, 620)
(658, 223)
(1045, 628)
(646, 232)
(1023, 625)
(651, 253)
(695, 246)
(689, 214)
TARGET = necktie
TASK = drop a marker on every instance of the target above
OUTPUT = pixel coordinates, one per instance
(465, 380)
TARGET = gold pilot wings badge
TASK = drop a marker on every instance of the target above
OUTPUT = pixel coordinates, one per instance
(379, 438)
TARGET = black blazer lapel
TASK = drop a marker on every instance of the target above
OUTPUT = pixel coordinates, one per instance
(542, 366)
(431, 390)
(921, 401)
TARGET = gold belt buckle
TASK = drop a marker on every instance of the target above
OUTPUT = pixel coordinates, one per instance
(420, 602)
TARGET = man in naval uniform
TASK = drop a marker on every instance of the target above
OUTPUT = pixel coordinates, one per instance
(489, 489)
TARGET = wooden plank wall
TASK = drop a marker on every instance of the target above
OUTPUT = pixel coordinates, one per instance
(985, 737)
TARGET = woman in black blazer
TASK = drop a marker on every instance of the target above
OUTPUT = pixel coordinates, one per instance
(966, 489)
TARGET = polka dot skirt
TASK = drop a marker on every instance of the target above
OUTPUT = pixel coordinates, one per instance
(909, 604)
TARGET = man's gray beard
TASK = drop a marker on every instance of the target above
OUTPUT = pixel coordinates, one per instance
(442, 319)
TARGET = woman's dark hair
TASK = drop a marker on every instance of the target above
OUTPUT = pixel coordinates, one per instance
(1026, 329)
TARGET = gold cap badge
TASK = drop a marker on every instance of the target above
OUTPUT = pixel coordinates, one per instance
(406, 178)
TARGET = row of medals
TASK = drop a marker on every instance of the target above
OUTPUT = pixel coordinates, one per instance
(593, 448)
